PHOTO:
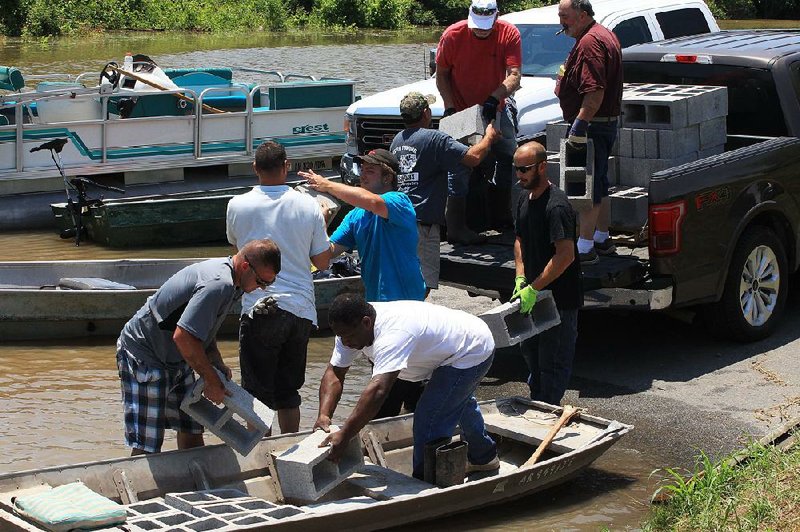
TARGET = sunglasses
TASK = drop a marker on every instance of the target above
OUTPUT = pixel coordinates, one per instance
(484, 11)
(527, 168)
(259, 281)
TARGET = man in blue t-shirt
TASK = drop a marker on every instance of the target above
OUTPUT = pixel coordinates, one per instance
(383, 227)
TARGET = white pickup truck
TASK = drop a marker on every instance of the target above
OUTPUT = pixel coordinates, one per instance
(372, 122)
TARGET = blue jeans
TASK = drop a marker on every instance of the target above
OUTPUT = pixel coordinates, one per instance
(449, 400)
(549, 357)
(603, 135)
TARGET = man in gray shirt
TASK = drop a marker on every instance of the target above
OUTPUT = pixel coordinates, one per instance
(174, 335)
(433, 166)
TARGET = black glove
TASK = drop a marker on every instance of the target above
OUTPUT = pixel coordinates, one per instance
(449, 111)
(490, 108)
(266, 306)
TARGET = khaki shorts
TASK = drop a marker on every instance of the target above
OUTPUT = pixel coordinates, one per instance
(428, 252)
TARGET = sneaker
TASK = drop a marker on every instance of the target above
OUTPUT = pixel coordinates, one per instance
(605, 247)
(491, 465)
(590, 257)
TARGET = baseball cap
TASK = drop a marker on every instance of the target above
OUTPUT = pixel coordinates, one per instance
(379, 156)
(482, 14)
(414, 104)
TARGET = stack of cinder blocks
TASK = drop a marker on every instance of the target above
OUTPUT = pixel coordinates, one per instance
(510, 327)
(661, 126)
(305, 473)
(243, 432)
(219, 509)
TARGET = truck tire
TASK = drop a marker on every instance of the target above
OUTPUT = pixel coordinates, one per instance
(755, 289)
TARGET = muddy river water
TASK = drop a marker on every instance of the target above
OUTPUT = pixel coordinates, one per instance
(59, 401)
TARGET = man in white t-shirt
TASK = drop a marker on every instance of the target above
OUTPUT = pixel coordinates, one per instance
(415, 341)
(273, 339)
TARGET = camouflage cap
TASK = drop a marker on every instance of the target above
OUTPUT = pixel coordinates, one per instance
(413, 105)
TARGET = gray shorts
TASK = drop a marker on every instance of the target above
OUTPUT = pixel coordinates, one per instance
(428, 252)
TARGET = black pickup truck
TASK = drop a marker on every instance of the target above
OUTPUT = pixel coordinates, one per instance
(724, 231)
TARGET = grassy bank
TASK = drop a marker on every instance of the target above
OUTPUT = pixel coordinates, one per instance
(36, 18)
(44, 17)
(763, 493)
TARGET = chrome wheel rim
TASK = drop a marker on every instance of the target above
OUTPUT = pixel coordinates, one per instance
(759, 285)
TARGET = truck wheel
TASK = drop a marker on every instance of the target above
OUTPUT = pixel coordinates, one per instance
(755, 289)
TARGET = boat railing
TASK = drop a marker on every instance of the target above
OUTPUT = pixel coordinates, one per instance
(248, 112)
(21, 104)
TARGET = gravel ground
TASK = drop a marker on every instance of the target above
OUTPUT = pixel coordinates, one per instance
(683, 390)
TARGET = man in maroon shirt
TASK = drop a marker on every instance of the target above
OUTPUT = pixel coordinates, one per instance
(590, 94)
(478, 62)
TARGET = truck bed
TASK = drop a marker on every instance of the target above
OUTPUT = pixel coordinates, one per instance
(616, 281)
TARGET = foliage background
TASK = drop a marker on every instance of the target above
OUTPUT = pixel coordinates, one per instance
(35, 18)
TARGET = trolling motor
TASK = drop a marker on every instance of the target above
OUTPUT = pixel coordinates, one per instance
(77, 208)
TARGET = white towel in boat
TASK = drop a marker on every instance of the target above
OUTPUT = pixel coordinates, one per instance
(68, 507)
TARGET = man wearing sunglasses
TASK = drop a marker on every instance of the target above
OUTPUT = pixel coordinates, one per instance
(173, 336)
(545, 258)
(478, 62)
(278, 318)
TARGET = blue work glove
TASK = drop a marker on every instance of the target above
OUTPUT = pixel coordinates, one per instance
(577, 134)
(527, 298)
(490, 108)
(519, 283)
(449, 111)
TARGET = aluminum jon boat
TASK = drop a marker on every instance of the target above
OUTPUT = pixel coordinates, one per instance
(235, 492)
(68, 299)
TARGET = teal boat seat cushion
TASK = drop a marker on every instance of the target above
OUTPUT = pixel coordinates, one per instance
(69, 507)
(224, 73)
(11, 79)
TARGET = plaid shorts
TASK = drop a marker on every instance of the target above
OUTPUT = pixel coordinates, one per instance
(151, 398)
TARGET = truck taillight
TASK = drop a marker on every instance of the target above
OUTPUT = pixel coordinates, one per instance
(687, 58)
(665, 227)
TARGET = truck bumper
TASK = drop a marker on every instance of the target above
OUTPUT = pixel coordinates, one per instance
(603, 298)
(628, 298)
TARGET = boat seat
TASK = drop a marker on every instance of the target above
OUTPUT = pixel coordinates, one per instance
(91, 283)
(200, 79)
(383, 484)
(11, 79)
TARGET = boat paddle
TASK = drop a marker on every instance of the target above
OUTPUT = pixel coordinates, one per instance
(129, 74)
(566, 414)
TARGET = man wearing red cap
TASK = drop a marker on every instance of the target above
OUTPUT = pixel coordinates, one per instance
(478, 62)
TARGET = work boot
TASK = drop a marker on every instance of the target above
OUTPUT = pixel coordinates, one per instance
(456, 218)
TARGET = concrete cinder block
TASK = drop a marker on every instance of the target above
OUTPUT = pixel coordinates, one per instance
(624, 142)
(165, 520)
(554, 169)
(555, 132)
(656, 106)
(208, 523)
(149, 507)
(637, 172)
(510, 327)
(464, 124)
(576, 173)
(673, 143)
(713, 133)
(628, 207)
(306, 474)
(221, 422)
(287, 510)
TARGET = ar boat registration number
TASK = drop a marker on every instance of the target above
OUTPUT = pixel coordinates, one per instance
(324, 163)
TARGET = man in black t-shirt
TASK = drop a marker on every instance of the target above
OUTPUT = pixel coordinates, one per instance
(545, 258)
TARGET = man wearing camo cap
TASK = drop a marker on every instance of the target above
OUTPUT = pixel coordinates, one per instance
(434, 166)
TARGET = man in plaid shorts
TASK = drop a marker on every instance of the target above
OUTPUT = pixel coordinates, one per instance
(174, 335)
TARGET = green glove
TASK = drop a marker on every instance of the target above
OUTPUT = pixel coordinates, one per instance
(519, 283)
(527, 298)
